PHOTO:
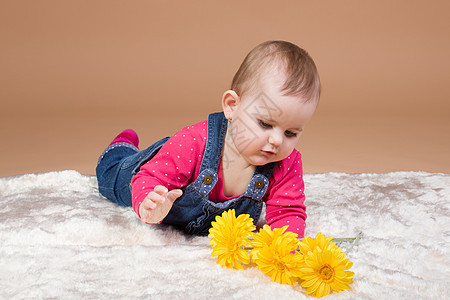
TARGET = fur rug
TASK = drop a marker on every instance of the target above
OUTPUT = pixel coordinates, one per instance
(60, 239)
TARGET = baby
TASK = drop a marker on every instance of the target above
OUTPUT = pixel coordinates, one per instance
(242, 158)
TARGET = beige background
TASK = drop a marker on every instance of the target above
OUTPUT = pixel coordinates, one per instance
(75, 73)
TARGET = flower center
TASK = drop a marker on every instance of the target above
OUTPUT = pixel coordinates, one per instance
(280, 265)
(326, 272)
(232, 246)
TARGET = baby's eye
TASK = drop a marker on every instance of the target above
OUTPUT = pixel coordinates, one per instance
(264, 124)
(290, 133)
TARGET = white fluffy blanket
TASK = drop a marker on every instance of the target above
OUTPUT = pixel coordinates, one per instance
(60, 239)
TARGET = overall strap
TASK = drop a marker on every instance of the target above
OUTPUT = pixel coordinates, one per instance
(260, 181)
(216, 130)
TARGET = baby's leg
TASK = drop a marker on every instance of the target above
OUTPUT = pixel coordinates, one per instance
(110, 175)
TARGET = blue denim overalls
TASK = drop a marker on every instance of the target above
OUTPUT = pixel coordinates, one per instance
(193, 211)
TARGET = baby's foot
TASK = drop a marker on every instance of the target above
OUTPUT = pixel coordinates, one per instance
(157, 204)
(127, 136)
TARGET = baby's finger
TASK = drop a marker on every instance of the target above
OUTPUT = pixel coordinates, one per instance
(154, 197)
(174, 194)
(148, 204)
(160, 189)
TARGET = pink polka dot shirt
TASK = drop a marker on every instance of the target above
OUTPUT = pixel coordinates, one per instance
(177, 164)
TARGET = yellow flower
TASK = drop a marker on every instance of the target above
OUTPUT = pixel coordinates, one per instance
(266, 236)
(309, 244)
(274, 254)
(326, 270)
(229, 236)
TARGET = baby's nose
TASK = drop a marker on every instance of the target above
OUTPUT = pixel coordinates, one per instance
(275, 138)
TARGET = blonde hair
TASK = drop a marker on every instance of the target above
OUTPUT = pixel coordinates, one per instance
(302, 77)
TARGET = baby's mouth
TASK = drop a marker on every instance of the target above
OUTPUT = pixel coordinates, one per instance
(268, 153)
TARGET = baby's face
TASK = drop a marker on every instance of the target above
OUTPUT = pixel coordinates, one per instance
(267, 125)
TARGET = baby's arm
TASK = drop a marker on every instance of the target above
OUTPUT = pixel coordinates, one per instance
(157, 204)
(171, 169)
(285, 201)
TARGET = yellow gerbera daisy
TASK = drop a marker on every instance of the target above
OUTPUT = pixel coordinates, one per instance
(309, 244)
(273, 251)
(326, 270)
(279, 261)
(229, 236)
(266, 236)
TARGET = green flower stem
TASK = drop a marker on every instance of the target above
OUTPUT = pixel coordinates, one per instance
(347, 240)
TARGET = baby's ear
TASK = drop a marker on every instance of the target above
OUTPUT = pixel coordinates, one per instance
(230, 101)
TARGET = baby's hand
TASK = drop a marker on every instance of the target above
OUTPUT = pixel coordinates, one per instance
(157, 204)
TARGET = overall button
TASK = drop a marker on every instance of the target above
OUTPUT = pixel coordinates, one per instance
(259, 184)
(207, 180)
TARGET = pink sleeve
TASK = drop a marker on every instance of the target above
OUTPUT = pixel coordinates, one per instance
(284, 204)
(174, 166)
